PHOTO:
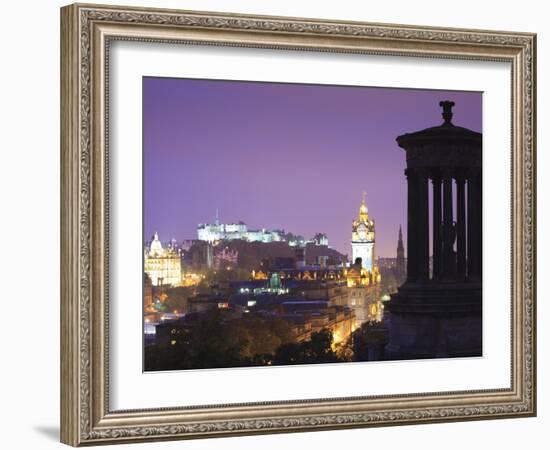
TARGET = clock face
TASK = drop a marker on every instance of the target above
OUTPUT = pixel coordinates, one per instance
(362, 232)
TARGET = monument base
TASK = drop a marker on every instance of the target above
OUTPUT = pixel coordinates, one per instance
(435, 320)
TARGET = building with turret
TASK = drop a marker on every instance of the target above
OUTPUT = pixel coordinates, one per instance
(163, 265)
(217, 231)
(362, 276)
(362, 238)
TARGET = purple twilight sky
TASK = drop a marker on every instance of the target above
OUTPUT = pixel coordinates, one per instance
(288, 156)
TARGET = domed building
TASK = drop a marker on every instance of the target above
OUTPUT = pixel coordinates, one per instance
(162, 265)
(155, 249)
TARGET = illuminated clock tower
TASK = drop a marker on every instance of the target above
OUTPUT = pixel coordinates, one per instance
(362, 238)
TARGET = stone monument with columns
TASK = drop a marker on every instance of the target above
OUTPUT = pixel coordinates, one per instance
(437, 310)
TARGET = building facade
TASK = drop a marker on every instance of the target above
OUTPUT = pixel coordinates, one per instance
(362, 238)
(213, 232)
(363, 276)
(225, 258)
(163, 265)
(363, 287)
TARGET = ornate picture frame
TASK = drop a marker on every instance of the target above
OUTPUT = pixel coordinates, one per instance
(86, 34)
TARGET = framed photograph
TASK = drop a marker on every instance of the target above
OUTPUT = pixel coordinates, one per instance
(275, 224)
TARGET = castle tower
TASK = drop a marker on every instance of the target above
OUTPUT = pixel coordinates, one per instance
(400, 263)
(362, 238)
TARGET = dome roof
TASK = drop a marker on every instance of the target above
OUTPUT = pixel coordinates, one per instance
(156, 246)
(363, 210)
(447, 132)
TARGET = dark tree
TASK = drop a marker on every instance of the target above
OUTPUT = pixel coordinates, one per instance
(317, 350)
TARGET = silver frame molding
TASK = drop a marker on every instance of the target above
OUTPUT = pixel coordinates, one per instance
(86, 31)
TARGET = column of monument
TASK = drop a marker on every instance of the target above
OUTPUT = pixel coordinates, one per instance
(447, 225)
(479, 225)
(461, 226)
(436, 225)
(423, 233)
(412, 224)
(474, 225)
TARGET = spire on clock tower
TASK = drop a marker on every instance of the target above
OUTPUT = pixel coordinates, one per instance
(363, 210)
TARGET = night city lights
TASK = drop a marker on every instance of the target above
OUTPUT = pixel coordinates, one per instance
(304, 224)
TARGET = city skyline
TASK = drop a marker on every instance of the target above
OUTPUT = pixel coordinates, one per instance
(283, 156)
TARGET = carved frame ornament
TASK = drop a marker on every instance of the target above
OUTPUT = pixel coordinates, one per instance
(86, 32)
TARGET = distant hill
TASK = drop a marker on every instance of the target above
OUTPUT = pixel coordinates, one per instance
(253, 255)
